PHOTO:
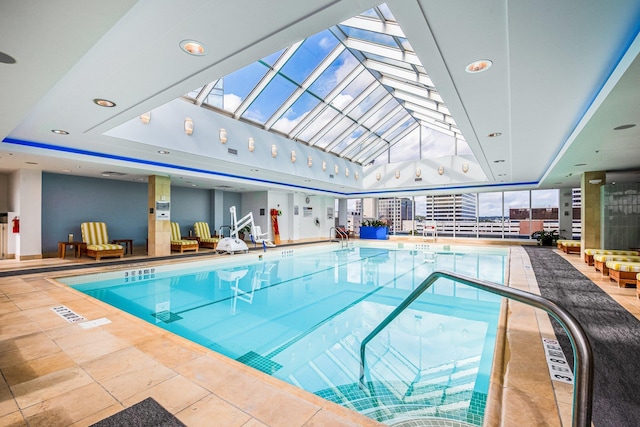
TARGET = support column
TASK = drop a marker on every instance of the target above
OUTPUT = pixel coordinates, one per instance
(25, 200)
(590, 210)
(343, 214)
(159, 225)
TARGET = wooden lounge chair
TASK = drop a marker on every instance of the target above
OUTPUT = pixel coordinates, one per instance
(94, 235)
(600, 261)
(204, 236)
(589, 253)
(625, 274)
(180, 244)
(569, 246)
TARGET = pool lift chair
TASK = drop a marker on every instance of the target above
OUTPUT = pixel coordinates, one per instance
(257, 236)
(233, 244)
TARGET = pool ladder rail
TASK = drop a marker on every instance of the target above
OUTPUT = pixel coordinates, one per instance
(582, 353)
(344, 236)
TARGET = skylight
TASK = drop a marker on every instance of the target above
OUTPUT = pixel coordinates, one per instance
(357, 90)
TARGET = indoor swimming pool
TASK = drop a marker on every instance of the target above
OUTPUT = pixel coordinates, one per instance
(300, 315)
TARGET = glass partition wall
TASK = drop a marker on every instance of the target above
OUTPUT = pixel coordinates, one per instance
(495, 215)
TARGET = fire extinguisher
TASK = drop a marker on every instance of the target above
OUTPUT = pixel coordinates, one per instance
(16, 224)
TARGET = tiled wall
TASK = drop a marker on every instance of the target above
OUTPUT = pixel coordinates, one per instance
(620, 216)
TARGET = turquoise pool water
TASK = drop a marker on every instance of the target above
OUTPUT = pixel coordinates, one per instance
(300, 315)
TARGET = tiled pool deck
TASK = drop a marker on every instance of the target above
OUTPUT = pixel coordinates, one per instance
(58, 374)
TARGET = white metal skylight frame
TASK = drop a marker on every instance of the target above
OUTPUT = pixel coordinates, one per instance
(411, 99)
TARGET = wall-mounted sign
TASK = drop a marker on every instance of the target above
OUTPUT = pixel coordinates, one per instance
(163, 211)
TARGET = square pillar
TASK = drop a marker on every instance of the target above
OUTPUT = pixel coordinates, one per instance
(159, 225)
(590, 210)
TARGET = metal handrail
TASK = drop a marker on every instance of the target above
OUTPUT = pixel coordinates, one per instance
(582, 354)
(343, 235)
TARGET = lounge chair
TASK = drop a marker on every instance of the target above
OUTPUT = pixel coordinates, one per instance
(569, 246)
(180, 244)
(94, 235)
(623, 273)
(204, 236)
(589, 253)
(600, 261)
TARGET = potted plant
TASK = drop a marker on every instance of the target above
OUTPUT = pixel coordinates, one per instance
(374, 229)
(545, 238)
(244, 230)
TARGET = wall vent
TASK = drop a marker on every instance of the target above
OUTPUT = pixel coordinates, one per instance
(232, 151)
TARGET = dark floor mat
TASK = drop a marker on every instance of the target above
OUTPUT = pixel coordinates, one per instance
(147, 413)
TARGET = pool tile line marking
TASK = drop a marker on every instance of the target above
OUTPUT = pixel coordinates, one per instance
(67, 314)
(557, 362)
(93, 323)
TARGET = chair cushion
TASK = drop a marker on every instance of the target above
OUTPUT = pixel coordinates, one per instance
(94, 233)
(209, 239)
(175, 232)
(609, 252)
(624, 266)
(104, 247)
(571, 243)
(184, 242)
(625, 258)
(202, 230)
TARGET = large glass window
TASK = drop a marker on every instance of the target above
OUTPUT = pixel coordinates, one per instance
(517, 214)
(490, 218)
(544, 210)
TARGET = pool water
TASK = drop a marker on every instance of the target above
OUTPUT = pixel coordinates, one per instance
(301, 317)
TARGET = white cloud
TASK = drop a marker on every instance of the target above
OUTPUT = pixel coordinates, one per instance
(231, 101)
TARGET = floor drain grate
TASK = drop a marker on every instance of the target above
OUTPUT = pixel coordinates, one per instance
(259, 362)
(166, 316)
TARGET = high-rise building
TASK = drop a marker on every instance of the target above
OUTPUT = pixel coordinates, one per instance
(451, 207)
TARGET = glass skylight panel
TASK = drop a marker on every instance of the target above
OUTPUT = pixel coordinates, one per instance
(380, 114)
(390, 61)
(340, 68)
(406, 150)
(353, 90)
(369, 36)
(386, 13)
(194, 93)
(271, 59)
(389, 121)
(239, 84)
(309, 55)
(274, 94)
(436, 144)
(368, 103)
(298, 111)
(318, 123)
(334, 132)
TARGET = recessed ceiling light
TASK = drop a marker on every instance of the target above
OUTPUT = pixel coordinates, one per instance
(60, 132)
(163, 152)
(104, 102)
(498, 161)
(479, 66)
(623, 127)
(494, 134)
(193, 47)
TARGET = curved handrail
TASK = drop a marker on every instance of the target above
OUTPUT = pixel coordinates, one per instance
(582, 354)
(343, 235)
